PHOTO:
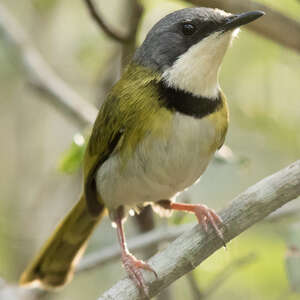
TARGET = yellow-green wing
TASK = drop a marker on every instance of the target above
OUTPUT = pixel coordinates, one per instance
(106, 134)
(131, 111)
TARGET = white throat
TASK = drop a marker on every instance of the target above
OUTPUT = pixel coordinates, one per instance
(196, 71)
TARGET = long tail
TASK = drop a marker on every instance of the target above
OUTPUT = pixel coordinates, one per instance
(55, 263)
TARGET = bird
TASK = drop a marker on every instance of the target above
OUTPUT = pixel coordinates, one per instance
(154, 136)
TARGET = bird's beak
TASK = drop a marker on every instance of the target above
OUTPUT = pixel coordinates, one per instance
(235, 21)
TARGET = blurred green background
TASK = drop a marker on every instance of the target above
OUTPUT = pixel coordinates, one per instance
(262, 82)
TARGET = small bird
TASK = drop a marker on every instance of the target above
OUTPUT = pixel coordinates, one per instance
(154, 137)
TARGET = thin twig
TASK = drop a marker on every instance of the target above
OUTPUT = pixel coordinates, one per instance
(134, 13)
(194, 246)
(220, 279)
(274, 25)
(227, 272)
(13, 292)
(63, 97)
(197, 294)
(113, 34)
(145, 223)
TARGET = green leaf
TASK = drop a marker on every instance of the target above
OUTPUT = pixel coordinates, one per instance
(71, 159)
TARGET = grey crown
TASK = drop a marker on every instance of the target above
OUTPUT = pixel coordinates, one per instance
(166, 41)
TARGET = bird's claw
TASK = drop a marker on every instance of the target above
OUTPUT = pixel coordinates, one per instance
(207, 216)
(133, 268)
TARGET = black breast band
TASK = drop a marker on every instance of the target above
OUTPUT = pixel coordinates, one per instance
(187, 103)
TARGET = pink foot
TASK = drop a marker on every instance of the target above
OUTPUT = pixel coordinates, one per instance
(132, 266)
(207, 216)
(204, 215)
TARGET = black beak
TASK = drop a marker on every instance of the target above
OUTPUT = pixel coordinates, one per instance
(235, 21)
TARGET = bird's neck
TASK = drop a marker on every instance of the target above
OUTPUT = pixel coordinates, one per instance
(187, 103)
(201, 81)
(175, 99)
(196, 71)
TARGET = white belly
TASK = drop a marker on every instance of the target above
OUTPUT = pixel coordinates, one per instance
(160, 167)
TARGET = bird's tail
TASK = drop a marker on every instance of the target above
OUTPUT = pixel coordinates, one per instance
(54, 265)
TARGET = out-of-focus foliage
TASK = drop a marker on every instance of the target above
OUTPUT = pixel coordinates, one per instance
(288, 7)
(261, 81)
(44, 5)
(293, 256)
(71, 160)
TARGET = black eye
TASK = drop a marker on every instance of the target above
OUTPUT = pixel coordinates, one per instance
(188, 28)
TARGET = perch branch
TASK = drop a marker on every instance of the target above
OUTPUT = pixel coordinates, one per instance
(63, 97)
(274, 25)
(165, 234)
(113, 34)
(194, 246)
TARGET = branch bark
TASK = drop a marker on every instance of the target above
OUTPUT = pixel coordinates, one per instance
(63, 97)
(194, 246)
(274, 25)
(113, 34)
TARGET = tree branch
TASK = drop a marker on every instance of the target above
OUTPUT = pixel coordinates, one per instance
(194, 246)
(67, 101)
(289, 211)
(14, 292)
(63, 97)
(113, 34)
(155, 237)
(134, 12)
(274, 25)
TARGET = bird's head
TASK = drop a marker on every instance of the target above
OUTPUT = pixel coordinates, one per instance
(187, 47)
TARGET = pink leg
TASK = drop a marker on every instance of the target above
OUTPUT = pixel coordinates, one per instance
(204, 215)
(131, 264)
